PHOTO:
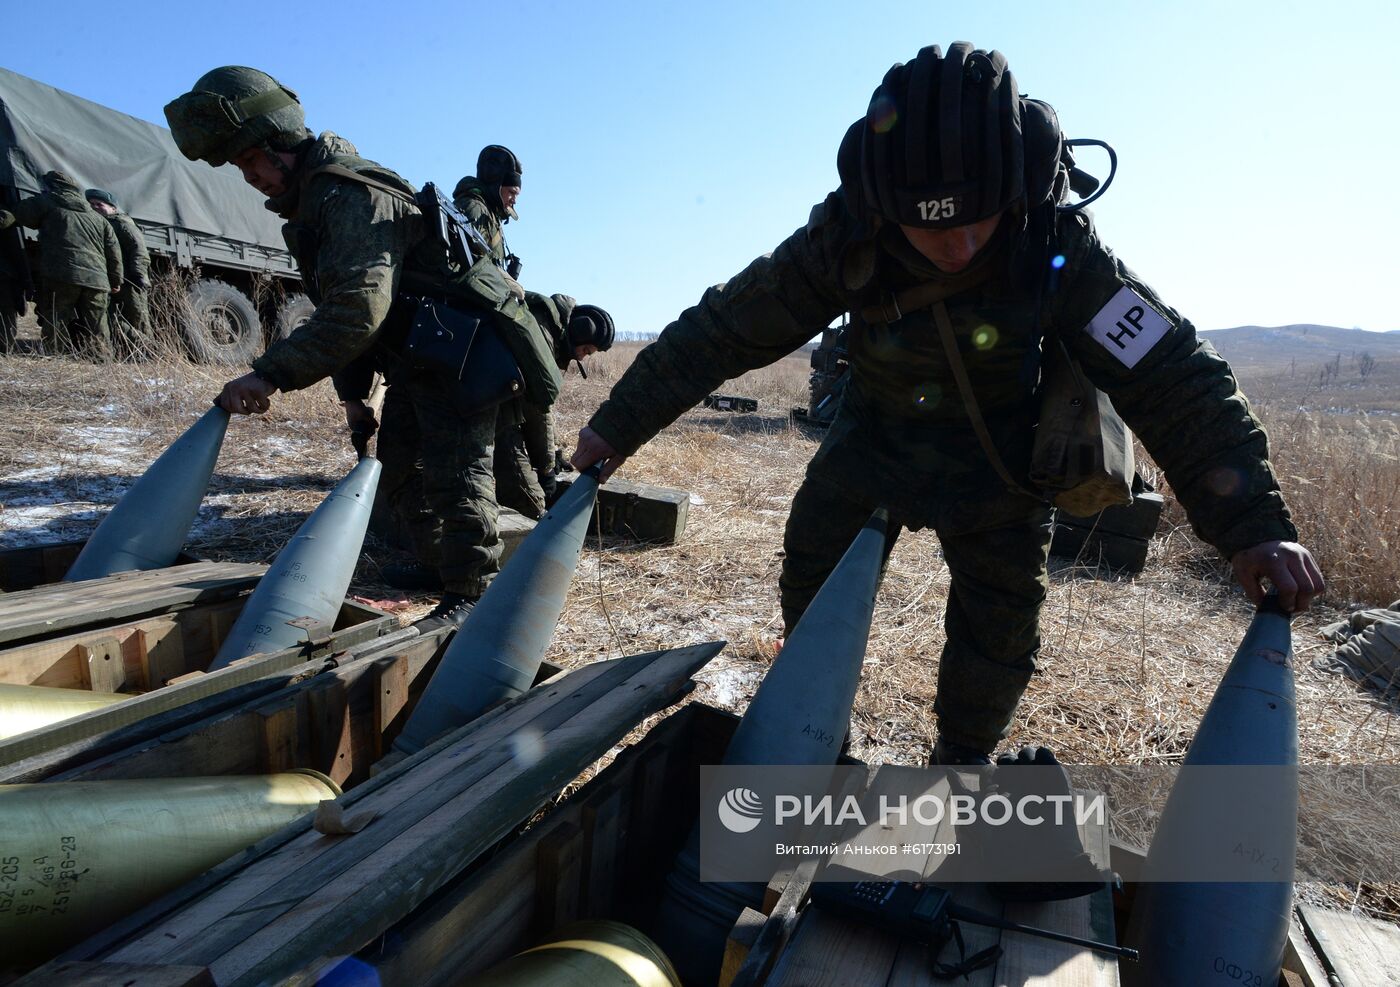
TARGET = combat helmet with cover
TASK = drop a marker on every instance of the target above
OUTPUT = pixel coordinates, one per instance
(231, 109)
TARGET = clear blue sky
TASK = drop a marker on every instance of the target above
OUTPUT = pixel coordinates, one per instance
(665, 145)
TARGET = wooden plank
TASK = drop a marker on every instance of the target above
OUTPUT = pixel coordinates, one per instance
(827, 951)
(1043, 962)
(778, 930)
(1299, 957)
(82, 974)
(47, 610)
(105, 666)
(35, 565)
(1360, 951)
(604, 835)
(280, 732)
(558, 877)
(741, 939)
(391, 698)
(639, 510)
(446, 941)
(315, 896)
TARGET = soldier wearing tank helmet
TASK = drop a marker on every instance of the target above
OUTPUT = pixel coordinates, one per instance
(525, 456)
(359, 241)
(954, 184)
(488, 199)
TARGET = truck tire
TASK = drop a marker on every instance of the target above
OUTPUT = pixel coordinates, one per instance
(294, 310)
(225, 327)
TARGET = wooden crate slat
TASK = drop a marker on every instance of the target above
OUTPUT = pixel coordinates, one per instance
(1359, 950)
(46, 610)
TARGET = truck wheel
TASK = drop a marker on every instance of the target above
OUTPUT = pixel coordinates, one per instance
(225, 327)
(294, 310)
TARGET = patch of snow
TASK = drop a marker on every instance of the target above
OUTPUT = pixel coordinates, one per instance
(731, 685)
(696, 499)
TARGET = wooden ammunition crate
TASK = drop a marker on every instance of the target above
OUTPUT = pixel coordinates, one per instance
(638, 510)
(158, 657)
(339, 721)
(1116, 537)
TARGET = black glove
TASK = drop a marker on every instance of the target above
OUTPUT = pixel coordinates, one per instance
(550, 486)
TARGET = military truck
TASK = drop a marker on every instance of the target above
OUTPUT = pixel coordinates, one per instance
(239, 279)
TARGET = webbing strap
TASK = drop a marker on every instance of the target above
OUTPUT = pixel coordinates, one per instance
(340, 171)
(264, 102)
(896, 305)
(974, 412)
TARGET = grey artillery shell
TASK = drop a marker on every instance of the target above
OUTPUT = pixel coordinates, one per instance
(798, 716)
(497, 652)
(149, 525)
(308, 580)
(1212, 933)
(803, 705)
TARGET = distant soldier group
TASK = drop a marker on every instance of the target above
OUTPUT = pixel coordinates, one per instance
(370, 259)
(94, 272)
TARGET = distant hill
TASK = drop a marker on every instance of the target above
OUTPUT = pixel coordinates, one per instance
(1278, 347)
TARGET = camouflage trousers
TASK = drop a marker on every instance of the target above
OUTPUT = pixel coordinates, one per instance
(517, 486)
(995, 544)
(131, 320)
(437, 477)
(73, 318)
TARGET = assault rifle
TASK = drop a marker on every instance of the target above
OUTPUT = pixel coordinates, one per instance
(463, 241)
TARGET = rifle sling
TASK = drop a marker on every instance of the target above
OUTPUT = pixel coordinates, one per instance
(974, 412)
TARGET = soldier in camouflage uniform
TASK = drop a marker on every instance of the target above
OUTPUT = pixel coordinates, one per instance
(80, 264)
(525, 467)
(951, 184)
(360, 241)
(488, 199)
(130, 320)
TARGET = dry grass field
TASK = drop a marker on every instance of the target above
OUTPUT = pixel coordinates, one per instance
(1128, 664)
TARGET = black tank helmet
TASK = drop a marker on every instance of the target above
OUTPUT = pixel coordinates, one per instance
(591, 324)
(497, 165)
(948, 140)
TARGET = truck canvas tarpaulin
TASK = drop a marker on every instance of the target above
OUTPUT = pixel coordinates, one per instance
(44, 129)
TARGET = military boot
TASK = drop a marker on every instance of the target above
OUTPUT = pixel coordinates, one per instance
(947, 753)
(452, 609)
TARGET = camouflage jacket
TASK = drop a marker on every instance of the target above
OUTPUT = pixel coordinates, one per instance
(136, 260)
(76, 245)
(901, 437)
(470, 197)
(357, 246)
(552, 312)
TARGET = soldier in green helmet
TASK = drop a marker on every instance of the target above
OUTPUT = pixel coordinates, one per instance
(952, 227)
(360, 242)
(130, 317)
(80, 264)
